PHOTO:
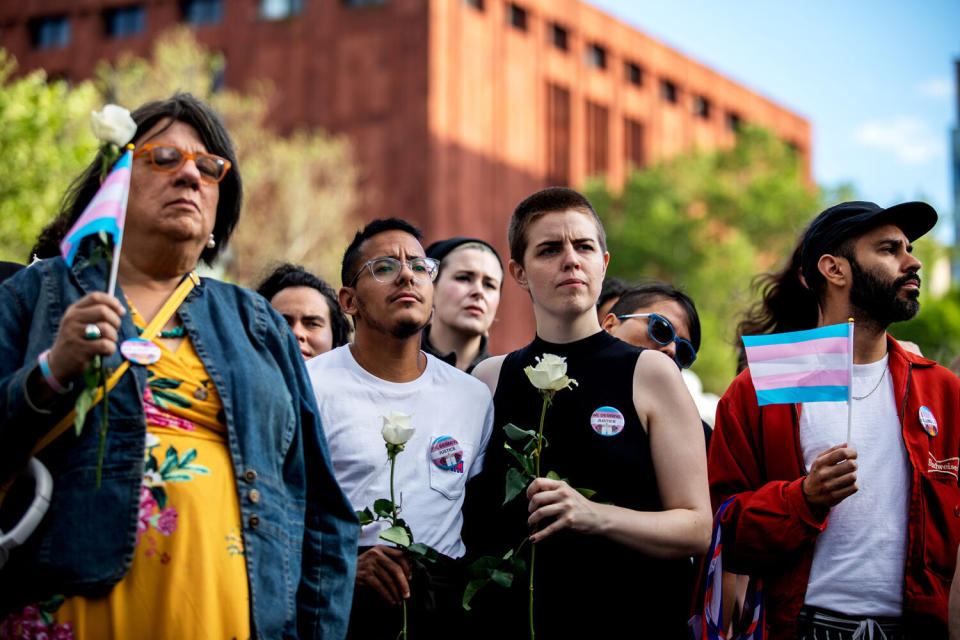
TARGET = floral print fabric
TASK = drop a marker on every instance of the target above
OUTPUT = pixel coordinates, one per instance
(188, 576)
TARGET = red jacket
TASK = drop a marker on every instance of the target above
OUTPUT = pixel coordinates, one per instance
(755, 455)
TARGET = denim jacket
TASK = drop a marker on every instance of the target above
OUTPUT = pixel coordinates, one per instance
(299, 531)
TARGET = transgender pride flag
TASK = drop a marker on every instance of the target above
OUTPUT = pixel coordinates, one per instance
(105, 212)
(802, 366)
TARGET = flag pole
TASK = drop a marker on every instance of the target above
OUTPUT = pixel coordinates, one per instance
(115, 261)
(850, 383)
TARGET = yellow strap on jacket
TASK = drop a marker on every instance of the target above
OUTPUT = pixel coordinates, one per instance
(166, 312)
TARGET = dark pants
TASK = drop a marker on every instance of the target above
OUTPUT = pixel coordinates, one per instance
(434, 607)
(814, 623)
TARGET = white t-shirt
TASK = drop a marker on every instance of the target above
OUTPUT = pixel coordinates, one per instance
(452, 413)
(859, 559)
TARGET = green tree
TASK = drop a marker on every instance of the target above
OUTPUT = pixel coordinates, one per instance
(300, 190)
(707, 222)
(45, 141)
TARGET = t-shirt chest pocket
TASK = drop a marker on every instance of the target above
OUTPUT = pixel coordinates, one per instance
(448, 460)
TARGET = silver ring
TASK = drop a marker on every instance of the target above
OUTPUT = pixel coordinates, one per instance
(92, 332)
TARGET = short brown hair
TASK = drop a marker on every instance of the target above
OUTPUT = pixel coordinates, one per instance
(549, 200)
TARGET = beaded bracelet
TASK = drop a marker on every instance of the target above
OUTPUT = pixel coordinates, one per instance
(52, 382)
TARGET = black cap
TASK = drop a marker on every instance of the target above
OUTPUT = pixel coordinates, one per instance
(850, 219)
(440, 249)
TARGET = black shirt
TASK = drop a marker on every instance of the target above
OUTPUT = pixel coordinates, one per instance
(596, 441)
(451, 358)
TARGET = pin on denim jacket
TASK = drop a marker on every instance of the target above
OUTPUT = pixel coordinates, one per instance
(299, 530)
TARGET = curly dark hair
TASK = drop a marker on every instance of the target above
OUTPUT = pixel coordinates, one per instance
(786, 304)
(181, 107)
(289, 275)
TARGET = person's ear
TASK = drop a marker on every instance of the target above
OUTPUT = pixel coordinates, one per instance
(606, 262)
(834, 269)
(348, 300)
(610, 323)
(519, 274)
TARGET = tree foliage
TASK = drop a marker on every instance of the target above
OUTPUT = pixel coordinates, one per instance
(707, 222)
(45, 141)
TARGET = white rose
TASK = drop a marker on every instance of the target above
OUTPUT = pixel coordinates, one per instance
(113, 124)
(550, 374)
(396, 428)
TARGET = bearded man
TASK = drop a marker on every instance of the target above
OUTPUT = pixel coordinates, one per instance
(388, 290)
(849, 541)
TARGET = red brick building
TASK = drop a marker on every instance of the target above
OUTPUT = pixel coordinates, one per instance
(458, 108)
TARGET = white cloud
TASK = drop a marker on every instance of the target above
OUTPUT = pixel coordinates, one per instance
(909, 138)
(940, 87)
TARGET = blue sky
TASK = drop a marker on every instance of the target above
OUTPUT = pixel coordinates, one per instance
(875, 79)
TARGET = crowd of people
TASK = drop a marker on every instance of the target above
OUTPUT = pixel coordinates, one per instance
(214, 491)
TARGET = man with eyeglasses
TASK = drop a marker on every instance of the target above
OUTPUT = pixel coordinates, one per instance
(658, 316)
(389, 292)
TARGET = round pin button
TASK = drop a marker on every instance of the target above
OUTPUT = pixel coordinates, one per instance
(446, 453)
(928, 421)
(140, 351)
(607, 421)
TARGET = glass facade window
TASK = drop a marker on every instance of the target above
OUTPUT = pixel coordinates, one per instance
(51, 32)
(633, 73)
(701, 107)
(597, 56)
(202, 12)
(734, 123)
(558, 37)
(668, 91)
(125, 21)
(517, 17)
(280, 9)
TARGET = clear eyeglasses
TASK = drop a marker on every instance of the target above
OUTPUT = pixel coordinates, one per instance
(386, 270)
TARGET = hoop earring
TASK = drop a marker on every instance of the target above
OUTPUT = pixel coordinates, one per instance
(211, 242)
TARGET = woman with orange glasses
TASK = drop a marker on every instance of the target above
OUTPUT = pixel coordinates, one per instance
(218, 515)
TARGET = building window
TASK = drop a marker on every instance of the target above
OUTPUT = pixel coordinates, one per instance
(517, 16)
(558, 135)
(280, 9)
(597, 56)
(668, 91)
(202, 12)
(476, 4)
(598, 121)
(633, 73)
(558, 36)
(734, 123)
(50, 33)
(633, 144)
(125, 21)
(701, 107)
(363, 3)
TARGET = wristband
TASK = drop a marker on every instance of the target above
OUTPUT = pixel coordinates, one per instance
(52, 382)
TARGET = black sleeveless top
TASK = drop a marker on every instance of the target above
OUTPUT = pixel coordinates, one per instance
(596, 441)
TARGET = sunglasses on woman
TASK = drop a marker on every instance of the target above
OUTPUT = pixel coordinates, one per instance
(168, 158)
(661, 332)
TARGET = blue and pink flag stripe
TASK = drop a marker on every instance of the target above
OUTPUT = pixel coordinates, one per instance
(801, 366)
(105, 212)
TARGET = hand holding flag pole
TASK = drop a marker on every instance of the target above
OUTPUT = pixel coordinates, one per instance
(104, 216)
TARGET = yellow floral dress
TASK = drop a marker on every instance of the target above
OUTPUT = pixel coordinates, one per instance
(188, 578)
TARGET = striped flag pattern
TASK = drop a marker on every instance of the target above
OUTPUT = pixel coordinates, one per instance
(106, 211)
(815, 365)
